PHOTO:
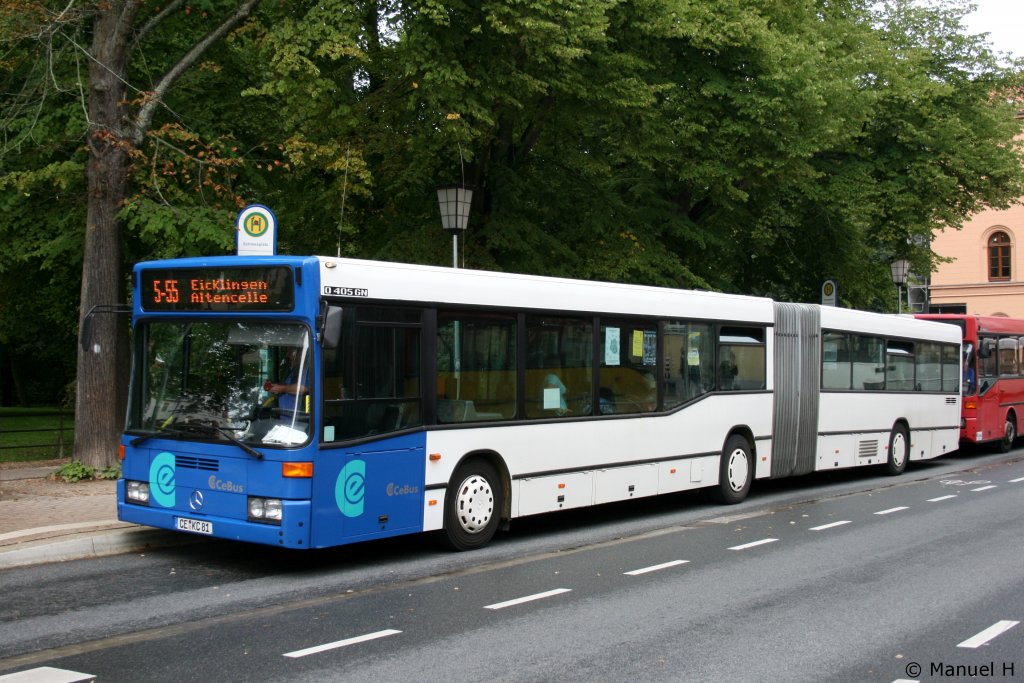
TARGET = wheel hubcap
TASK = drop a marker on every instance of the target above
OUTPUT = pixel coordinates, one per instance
(899, 449)
(739, 467)
(474, 504)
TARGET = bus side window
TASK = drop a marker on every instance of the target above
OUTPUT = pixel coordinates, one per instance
(1008, 357)
(628, 356)
(899, 372)
(951, 369)
(476, 367)
(741, 359)
(836, 370)
(689, 361)
(372, 381)
(559, 361)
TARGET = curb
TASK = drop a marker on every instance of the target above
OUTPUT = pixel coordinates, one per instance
(90, 546)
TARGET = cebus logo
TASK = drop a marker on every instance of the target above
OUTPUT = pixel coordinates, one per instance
(350, 488)
(161, 479)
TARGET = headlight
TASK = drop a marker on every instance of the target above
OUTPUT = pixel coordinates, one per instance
(137, 492)
(266, 510)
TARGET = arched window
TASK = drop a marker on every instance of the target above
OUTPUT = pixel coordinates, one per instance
(999, 256)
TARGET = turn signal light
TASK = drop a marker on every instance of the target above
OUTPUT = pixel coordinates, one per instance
(297, 470)
(120, 452)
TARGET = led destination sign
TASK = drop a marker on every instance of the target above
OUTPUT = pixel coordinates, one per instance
(217, 289)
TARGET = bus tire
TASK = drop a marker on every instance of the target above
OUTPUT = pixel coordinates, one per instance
(899, 451)
(1009, 434)
(473, 506)
(736, 471)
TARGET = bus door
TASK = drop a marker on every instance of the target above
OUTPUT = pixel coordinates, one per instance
(372, 462)
(372, 490)
(989, 419)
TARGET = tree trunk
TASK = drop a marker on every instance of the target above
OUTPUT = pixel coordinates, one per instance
(102, 386)
(99, 406)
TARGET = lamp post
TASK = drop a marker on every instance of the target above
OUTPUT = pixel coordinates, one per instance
(900, 268)
(454, 201)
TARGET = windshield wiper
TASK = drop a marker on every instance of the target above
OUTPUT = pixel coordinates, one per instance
(202, 429)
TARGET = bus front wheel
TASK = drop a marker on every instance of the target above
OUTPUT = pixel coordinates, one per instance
(899, 450)
(736, 471)
(473, 506)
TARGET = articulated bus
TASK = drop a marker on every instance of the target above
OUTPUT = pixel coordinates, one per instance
(308, 402)
(993, 382)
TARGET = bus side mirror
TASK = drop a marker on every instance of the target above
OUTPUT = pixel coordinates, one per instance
(331, 327)
(986, 348)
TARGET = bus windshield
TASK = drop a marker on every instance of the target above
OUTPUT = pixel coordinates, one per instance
(242, 381)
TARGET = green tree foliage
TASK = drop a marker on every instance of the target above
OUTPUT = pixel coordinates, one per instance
(749, 147)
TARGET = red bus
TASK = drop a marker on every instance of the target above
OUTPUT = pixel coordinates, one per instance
(993, 382)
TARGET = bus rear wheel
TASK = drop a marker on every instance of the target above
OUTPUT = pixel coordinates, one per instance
(736, 471)
(473, 506)
(899, 451)
(1009, 434)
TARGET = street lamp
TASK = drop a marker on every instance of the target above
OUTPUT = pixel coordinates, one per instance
(454, 201)
(900, 269)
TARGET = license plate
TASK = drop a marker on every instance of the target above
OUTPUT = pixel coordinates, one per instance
(195, 526)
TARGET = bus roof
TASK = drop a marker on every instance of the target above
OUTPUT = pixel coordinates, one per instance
(432, 284)
(979, 324)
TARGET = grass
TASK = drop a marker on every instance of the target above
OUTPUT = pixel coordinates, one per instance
(40, 444)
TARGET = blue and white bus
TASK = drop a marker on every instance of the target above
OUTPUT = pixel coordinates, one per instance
(308, 402)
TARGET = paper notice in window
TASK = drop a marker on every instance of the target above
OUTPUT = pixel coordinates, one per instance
(552, 399)
(638, 344)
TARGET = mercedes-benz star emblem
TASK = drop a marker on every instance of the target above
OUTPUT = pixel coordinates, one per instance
(195, 500)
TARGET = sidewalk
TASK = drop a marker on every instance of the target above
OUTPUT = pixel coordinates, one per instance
(48, 520)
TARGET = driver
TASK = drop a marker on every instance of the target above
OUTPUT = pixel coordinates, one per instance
(291, 388)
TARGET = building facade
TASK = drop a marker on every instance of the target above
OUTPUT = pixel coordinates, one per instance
(985, 274)
(986, 271)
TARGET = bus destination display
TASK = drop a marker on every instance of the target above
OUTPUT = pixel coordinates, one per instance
(217, 289)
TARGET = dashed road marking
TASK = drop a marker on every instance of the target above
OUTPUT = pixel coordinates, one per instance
(891, 510)
(657, 567)
(753, 544)
(985, 488)
(936, 500)
(830, 526)
(1016, 481)
(528, 598)
(341, 643)
(47, 674)
(996, 629)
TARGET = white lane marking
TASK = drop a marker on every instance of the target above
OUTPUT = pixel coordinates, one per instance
(985, 488)
(341, 643)
(657, 567)
(1015, 481)
(47, 674)
(891, 510)
(906, 680)
(528, 598)
(829, 526)
(996, 629)
(936, 500)
(753, 544)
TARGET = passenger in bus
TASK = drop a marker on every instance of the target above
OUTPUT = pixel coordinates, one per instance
(969, 377)
(291, 388)
(727, 372)
(554, 393)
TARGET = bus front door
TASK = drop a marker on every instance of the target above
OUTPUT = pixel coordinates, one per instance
(368, 491)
